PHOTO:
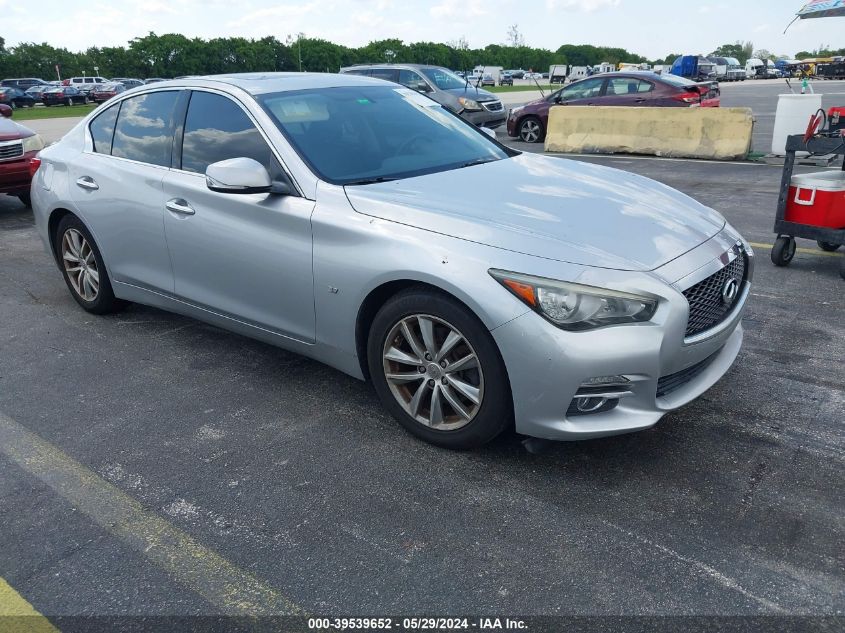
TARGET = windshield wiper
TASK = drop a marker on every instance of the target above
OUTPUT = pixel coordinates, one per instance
(477, 161)
(370, 181)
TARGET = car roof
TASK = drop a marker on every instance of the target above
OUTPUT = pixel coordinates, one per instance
(263, 83)
(392, 66)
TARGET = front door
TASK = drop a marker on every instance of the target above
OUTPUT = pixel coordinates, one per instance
(243, 256)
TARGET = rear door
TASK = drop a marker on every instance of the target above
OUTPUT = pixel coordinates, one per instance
(117, 185)
(628, 91)
(244, 256)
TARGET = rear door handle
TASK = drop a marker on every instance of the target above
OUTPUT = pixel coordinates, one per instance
(86, 182)
(180, 206)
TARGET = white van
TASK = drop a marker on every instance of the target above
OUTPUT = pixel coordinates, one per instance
(86, 84)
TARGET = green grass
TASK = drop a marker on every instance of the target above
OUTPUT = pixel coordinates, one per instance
(53, 112)
(521, 88)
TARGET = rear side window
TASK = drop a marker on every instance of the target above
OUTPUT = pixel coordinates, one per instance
(102, 130)
(144, 130)
(216, 128)
(390, 74)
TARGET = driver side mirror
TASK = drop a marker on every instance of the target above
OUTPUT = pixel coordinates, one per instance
(238, 176)
(5, 111)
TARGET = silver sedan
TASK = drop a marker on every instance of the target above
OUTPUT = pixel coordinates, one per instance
(361, 224)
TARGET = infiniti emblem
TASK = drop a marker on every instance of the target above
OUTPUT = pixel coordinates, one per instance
(729, 291)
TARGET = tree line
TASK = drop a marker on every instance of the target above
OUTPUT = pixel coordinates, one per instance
(173, 55)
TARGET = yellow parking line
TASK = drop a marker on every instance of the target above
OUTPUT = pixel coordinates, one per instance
(18, 616)
(232, 590)
(806, 251)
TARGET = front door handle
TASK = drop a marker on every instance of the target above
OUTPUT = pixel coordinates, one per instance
(178, 205)
(86, 182)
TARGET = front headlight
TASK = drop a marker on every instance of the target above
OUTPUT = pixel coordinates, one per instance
(468, 104)
(33, 143)
(575, 307)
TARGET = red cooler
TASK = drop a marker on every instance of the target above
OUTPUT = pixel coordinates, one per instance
(817, 199)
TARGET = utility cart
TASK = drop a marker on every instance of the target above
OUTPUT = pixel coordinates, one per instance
(811, 206)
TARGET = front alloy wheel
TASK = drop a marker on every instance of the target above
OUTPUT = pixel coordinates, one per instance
(437, 369)
(433, 372)
(531, 130)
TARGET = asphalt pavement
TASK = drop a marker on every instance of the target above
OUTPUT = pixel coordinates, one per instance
(130, 438)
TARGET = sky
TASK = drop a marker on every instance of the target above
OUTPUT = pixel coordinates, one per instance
(653, 28)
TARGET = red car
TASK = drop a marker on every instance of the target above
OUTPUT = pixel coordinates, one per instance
(104, 92)
(637, 89)
(18, 147)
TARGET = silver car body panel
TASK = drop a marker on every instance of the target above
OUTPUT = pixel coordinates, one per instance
(294, 271)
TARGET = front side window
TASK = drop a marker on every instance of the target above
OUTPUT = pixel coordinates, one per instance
(444, 79)
(102, 130)
(361, 134)
(585, 89)
(216, 129)
(412, 80)
(144, 130)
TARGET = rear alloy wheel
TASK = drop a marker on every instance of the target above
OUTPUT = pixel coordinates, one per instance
(531, 130)
(437, 369)
(83, 268)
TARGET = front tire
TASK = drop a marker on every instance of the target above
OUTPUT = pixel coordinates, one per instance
(531, 130)
(438, 371)
(82, 267)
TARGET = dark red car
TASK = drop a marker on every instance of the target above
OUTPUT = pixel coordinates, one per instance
(104, 92)
(637, 89)
(18, 147)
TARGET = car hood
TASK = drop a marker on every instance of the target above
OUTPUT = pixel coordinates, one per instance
(9, 130)
(553, 208)
(473, 93)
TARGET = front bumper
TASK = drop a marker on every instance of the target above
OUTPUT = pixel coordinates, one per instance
(485, 118)
(547, 365)
(14, 174)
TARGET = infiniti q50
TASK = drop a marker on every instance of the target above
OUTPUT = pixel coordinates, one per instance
(361, 224)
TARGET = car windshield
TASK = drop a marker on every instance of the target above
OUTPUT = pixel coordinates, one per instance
(444, 79)
(364, 134)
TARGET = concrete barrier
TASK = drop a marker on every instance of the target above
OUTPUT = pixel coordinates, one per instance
(711, 133)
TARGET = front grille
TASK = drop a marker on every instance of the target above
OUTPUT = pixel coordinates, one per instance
(493, 106)
(11, 150)
(673, 382)
(706, 307)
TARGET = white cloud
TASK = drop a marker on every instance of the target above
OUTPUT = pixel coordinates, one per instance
(283, 11)
(585, 6)
(448, 9)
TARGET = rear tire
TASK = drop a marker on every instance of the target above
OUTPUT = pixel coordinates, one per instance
(783, 251)
(830, 247)
(83, 268)
(25, 199)
(448, 383)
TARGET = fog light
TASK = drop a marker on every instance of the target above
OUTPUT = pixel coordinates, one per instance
(589, 405)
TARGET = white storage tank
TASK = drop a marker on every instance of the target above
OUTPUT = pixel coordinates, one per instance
(793, 115)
